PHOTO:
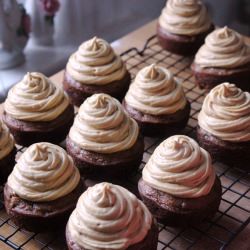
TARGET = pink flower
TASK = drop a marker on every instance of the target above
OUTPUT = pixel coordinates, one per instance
(50, 6)
(26, 23)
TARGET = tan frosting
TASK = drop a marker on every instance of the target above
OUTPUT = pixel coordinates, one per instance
(95, 62)
(225, 113)
(102, 126)
(180, 167)
(185, 17)
(108, 216)
(223, 48)
(35, 98)
(155, 91)
(44, 172)
(6, 141)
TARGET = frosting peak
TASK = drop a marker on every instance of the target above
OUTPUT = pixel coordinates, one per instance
(180, 167)
(108, 216)
(102, 126)
(223, 48)
(185, 17)
(95, 62)
(155, 91)
(225, 113)
(35, 98)
(44, 172)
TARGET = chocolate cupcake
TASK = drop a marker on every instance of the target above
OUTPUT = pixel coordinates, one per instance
(7, 152)
(108, 216)
(95, 68)
(183, 26)
(179, 184)
(104, 141)
(225, 57)
(43, 188)
(157, 102)
(37, 110)
(224, 125)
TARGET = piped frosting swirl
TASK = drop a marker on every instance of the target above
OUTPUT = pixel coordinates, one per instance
(180, 167)
(155, 91)
(95, 62)
(35, 98)
(108, 216)
(102, 126)
(44, 172)
(185, 17)
(223, 48)
(225, 113)
(6, 141)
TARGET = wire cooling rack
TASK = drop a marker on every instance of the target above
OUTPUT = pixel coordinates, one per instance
(217, 233)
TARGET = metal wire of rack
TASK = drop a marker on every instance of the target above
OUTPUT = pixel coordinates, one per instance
(217, 233)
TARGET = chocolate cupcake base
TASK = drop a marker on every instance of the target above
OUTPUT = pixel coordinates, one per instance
(181, 44)
(208, 78)
(149, 243)
(231, 153)
(174, 211)
(27, 133)
(106, 167)
(41, 216)
(6, 165)
(160, 125)
(78, 92)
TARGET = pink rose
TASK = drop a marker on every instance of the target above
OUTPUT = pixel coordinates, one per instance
(26, 23)
(50, 6)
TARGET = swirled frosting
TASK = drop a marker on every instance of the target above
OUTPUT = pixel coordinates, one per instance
(180, 167)
(223, 48)
(44, 172)
(95, 62)
(6, 141)
(225, 113)
(108, 216)
(102, 126)
(185, 17)
(35, 98)
(155, 91)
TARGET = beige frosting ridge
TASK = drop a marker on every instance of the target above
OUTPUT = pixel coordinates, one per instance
(6, 141)
(225, 113)
(95, 62)
(44, 172)
(185, 17)
(155, 91)
(102, 126)
(223, 48)
(108, 216)
(180, 167)
(35, 98)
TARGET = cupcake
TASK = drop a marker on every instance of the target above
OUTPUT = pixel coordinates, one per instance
(179, 184)
(7, 152)
(224, 125)
(225, 57)
(37, 110)
(95, 68)
(108, 216)
(157, 102)
(104, 141)
(183, 26)
(43, 188)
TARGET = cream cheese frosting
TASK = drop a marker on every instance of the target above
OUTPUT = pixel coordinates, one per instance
(95, 62)
(223, 48)
(180, 167)
(108, 216)
(102, 126)
(185, 17)
(35, 99)
(156, 92)
(44, 172)
(6, 141)
(225, 113)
